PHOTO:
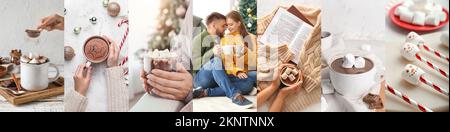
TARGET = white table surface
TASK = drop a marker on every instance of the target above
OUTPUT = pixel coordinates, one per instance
(78, 14)
(423, 94)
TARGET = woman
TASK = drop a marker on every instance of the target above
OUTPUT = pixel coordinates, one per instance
(117, 93)
(229, 73)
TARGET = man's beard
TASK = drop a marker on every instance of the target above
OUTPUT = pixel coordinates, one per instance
(220, 34)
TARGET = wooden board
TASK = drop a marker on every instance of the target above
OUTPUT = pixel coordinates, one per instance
(52, 91)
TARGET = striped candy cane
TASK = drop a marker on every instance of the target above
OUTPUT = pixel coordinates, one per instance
(124, 38)
(442, 72)
(431, 84)
(435, 52)
(407, 99)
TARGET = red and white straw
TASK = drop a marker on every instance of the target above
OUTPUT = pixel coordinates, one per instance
(124, 60)
(431, 84)
(407, 99)
(442, 72)
(435, 52)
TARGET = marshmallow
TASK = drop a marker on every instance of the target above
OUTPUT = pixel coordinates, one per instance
(295, 72)
(412, 73)
(406, 16)
(360, 62)
(419, 18)
(284, 76)
(25, 59)
(442, 16)
(444, 38)
(292, 77)
(288, 71)
(432, 20)
(407, 3)
(414, 38)
(409, 51)
(34, 61)
(399, 10)
(349, 61)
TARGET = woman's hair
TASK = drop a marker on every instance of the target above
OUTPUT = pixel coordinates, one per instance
(235, 16)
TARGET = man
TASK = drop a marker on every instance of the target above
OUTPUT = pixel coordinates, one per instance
(204, 42)
(210, 76)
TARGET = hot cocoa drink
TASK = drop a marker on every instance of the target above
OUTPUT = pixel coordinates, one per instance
(96, 49)
(337, 66)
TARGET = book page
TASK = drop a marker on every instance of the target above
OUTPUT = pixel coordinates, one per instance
(282, 29)
(297, 45)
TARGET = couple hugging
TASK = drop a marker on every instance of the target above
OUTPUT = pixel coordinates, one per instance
(225, 63)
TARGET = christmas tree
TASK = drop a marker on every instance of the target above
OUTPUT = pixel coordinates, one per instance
(168, 26)
(247, 8)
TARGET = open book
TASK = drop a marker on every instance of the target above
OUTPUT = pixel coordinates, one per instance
(287, 28)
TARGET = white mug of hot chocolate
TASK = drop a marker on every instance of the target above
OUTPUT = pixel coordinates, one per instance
(227, 49)
(34, 77)
(353, 85)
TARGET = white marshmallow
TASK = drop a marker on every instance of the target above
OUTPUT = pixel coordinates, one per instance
(295, 72)
(414, 38)
(442, 16)
(25, 59)
(34, 61)
(412, 73)
(409, 51)
(284, 76)
(406, 16)
(291, 77)
(407, 3)
(444, 39)
(360, 62)
(349, 61)
(419, 18)
(399, 10)
(288, 71)
(432, 20)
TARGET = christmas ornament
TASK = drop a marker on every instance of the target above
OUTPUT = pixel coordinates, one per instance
(69, 53)
(113, 9)
(77, 30)
(93, 20)
(105, 3)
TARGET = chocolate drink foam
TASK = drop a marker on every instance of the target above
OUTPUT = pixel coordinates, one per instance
(96, 49)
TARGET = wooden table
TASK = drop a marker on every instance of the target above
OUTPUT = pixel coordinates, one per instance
(53, 104)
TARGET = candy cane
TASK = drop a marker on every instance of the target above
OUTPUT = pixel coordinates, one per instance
(414, 75)
(411, 53)
(415, 38)
(407, 99)
(124, 60)
(124, 21)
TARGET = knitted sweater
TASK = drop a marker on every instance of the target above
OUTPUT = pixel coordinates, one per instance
(117, 94)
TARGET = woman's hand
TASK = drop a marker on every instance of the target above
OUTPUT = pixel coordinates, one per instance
(113, 53)
(52, 22)
(171, 85)
(284, 92)
(82, 78)
(242, 75)
(145, 84)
